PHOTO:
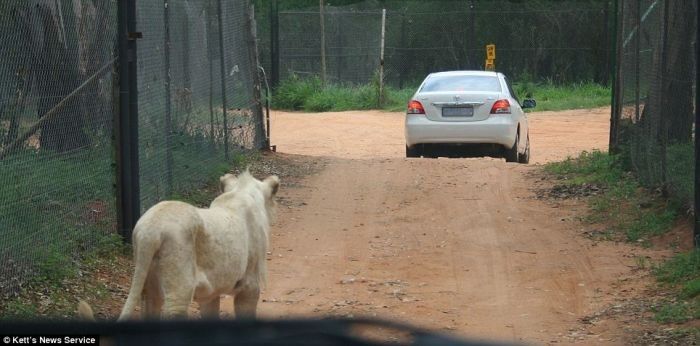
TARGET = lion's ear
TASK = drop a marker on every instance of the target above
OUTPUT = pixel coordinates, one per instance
(226, 181)
(272, 184)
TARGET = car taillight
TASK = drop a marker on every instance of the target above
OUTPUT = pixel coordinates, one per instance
(415, 107)
(501, 107)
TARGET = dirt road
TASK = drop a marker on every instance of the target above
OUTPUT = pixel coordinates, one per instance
(453, 244)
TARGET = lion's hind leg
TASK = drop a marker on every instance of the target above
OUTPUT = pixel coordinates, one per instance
(210, 309)
(246, 301)
(177, 280)
(152, 301)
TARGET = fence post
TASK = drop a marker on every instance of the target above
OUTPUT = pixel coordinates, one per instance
(605, 75)
(380, 99)
(210, 54)
(696, 229)
(616, 56)
(274, 44)
(168, 103)
(472, 37)
(403, 70)
(662, 112)
(260, 140)
(339, 61)
(323, 42)
(128, 197)
(223, 80)
(637, 49)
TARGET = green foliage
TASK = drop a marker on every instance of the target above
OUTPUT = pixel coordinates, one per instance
(680, 173)
(17, 309)
(551, 97)
(629, 210)
(681, 273)
(588, 167)
(681, 268)
(293, 92)
(691, 289)
(674, 313)
(308, 94)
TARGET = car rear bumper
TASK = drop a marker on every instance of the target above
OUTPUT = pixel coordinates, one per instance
(499, 130)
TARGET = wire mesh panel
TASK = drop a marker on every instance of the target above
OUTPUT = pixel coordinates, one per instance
(563, 41)
(182, 133)
(59, 103)
(352, 44)
(244, 107)
(655, 93)
(56, 174)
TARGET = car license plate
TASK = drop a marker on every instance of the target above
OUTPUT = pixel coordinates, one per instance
(458, 111)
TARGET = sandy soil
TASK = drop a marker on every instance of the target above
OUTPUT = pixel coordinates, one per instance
(459, 245)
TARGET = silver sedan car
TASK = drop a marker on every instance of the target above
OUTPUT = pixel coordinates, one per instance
(472, 112)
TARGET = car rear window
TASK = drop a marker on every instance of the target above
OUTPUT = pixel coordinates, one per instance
(462, 83)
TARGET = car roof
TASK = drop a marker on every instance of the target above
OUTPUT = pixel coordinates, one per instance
(465, 73)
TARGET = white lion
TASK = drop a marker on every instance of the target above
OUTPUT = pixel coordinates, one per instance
(183, 253)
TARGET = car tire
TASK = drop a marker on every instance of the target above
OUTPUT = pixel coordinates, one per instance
(412, 151)
(511, 155)
(525, 157)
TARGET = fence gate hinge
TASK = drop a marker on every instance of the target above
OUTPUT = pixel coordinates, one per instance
(134, 35)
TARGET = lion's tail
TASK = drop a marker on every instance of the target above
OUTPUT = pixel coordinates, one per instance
(145, 249)
(85, 311)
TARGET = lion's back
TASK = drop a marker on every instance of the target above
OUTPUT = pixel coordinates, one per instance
(168, 219)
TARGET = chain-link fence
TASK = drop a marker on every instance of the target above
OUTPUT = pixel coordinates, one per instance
(559, 41)
(59, 95)
(653, 111)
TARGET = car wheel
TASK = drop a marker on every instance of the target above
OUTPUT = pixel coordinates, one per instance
(412, 151)
(511, 155)
(525, 157)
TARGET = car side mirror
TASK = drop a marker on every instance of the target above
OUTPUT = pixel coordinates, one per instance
(529, 103)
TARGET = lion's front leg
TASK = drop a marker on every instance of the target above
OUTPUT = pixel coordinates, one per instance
(246, 302)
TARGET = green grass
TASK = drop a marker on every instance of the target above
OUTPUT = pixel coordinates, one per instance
(681, 274)
(629, 210)
(309, 95)
(551, 97)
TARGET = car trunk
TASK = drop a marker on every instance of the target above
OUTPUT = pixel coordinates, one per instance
(458, 105)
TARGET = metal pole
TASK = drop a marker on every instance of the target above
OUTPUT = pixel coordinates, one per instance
(380, 99)
(168, 103)
(223, 80)
(210, 50)
(662, 112)
(615, 102)
(323, 43)
(260, 140)
(637, 49)
(339, 50)
(472, 36)
(128, 194)
(403, 70)
(605, 75)
(274, 44)
(696, 229)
